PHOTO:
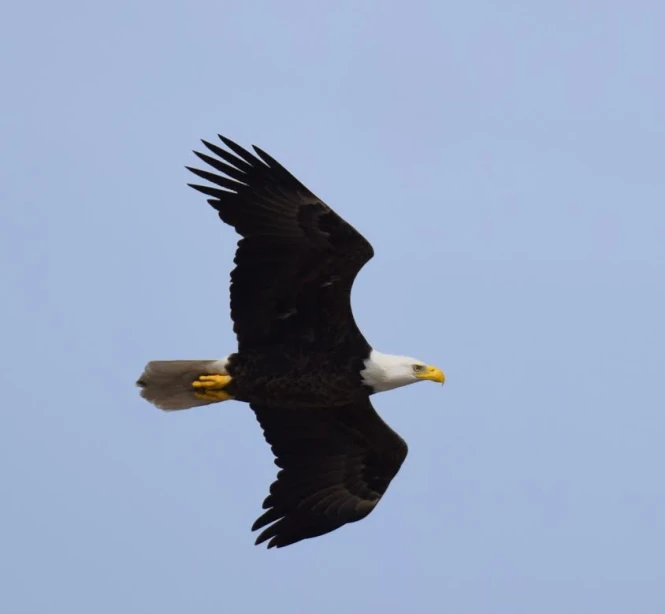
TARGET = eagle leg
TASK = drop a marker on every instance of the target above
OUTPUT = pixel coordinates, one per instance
(212, 382)
(213, 395)
(211, 387)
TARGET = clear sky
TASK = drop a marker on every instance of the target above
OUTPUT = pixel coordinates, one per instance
(506, 160)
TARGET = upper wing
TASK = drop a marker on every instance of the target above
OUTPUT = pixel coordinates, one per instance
(297, 260)
(336, 465)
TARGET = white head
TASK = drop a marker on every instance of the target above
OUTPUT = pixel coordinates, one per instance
(384, 371)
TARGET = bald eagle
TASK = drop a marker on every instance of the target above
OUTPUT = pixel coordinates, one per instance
(302, 364)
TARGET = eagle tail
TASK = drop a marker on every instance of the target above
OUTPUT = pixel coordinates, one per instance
(167, 384)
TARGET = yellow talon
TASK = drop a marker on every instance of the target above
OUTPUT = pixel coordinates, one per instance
(213, 395)
(212, 388)
(212, 382)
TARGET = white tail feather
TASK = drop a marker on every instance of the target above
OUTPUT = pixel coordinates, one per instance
(167, 384)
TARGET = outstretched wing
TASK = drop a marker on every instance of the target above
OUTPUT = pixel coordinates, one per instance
(336, 464)
(297, 260)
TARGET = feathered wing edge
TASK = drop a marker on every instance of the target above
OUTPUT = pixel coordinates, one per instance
(241, 168)
(336, 465)
(291, 239)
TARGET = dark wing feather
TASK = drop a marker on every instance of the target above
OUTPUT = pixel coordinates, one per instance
(297, 260)
(336, 464)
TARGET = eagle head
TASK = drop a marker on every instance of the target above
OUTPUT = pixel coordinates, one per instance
(387, 371)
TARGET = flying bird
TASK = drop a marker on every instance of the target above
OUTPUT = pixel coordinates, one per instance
(302, 364)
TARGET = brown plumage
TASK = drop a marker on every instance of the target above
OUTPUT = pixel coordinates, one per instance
(302, 363)
(297, 260)
(336, 463)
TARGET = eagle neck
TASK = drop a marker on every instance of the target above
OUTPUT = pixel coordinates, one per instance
(384, 372)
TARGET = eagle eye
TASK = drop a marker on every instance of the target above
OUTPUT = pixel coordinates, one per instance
(418, 368)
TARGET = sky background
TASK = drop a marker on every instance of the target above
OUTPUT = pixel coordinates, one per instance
(505, 160)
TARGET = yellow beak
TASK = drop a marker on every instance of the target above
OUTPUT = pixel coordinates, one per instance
(433, 374)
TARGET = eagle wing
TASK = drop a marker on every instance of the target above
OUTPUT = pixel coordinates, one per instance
(297, 259)
(336, 464)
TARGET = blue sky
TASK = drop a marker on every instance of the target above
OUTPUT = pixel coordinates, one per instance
(506, 162)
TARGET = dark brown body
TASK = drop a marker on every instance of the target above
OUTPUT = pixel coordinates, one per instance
(293, 377)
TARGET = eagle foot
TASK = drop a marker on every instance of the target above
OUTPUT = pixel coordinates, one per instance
(211, 388)
(212, 382)
(213, 395)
